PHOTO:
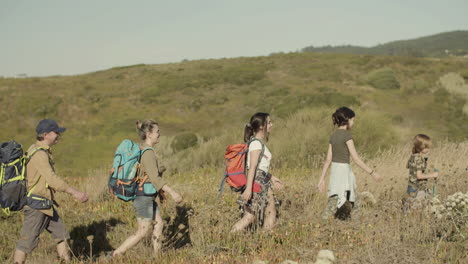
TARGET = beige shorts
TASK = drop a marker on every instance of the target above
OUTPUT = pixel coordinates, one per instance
(35, 222)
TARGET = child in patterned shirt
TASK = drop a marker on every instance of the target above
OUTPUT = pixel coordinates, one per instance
(418, 190)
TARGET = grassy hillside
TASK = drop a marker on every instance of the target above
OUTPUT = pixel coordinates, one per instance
(446, 44)
(214, 98)
(198, 231)
(211, 100)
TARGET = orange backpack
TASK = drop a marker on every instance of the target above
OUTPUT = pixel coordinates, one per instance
(235, 172)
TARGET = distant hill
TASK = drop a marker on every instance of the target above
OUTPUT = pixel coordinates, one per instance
(446, 44)
(207, 98)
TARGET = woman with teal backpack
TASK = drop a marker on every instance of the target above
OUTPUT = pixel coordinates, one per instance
(145, 205)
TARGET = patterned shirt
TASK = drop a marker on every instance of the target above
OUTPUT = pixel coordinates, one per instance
(417, 163)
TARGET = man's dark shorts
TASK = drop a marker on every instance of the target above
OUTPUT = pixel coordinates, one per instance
(35, 222)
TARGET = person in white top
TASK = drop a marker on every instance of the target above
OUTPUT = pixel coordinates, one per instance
(265, 160)
(258, 205)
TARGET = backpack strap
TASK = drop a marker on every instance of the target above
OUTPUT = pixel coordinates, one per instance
(144, 150)
(23, 160)
(157, 166)
(28, 158)
(20, 177)
(261, 153)
(29, 155)
(223, 180)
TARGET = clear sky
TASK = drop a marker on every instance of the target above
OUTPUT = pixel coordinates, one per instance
(49, 37)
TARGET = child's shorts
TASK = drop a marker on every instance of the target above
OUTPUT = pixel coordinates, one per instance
(418, 193)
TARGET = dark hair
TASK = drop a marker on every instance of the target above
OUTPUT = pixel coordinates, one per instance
(40, 137)
(342, 116)
(145, 126)
(256, 122)
(420, 142)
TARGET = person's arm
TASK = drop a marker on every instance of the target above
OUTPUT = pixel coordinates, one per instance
(175, 195)
(277, 183)
(253, 160)
(421, 176)
(326, 164)
(41, 161)
(80, 196)
(359, 162)
(148, 162)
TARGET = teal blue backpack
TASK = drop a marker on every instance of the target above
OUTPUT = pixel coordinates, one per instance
(123, 181)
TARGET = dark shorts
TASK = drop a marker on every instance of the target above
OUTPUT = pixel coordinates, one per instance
(35, 222)
(145, 207)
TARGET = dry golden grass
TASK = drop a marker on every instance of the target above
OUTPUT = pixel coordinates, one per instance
(198, 231)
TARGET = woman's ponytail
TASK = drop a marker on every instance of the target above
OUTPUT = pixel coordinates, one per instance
(138, 124)
(248, 132)
(144, 127)
(335, 119)
(342, 115)
(257, 121)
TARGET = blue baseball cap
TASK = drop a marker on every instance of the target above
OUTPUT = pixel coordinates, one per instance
(48, 125)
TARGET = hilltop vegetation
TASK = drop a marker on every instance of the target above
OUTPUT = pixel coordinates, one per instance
(446, 44)
(202, 106)
(211, 100)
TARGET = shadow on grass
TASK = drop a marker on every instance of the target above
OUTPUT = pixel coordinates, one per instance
(177, 231)
(81, 245)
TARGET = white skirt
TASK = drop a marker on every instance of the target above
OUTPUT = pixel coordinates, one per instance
(342, 180)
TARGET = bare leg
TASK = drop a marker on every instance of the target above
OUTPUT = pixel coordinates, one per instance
(63, 252)
(143, 228)
(20, 257)
(331, 208)
(157, 233)
(270, 212)
(243, 223)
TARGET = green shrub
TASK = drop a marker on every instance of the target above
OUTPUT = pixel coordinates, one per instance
(361, 60)
(282, 91)
(319, 72)
(49, 108)
(150, 94)
(291, 104)
(312, 129)
(195, 105)
(298, 141)
(382, 79)
(88, 88)
(441, 95)
(397, 119)
(184, 141)
(217, 100)
(464, 74)
(93, 97)
(244, 74)
(418, 87)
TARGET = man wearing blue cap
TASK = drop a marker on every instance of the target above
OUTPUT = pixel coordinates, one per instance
(40, 213)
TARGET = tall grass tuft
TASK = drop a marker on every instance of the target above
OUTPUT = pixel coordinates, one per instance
(384, 79)
(300, 140)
